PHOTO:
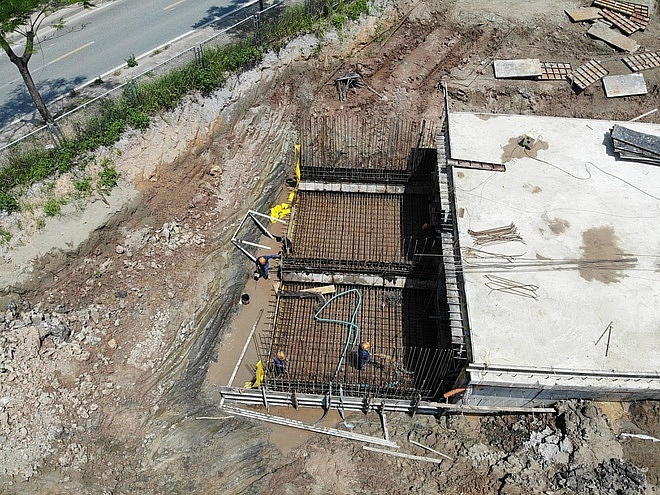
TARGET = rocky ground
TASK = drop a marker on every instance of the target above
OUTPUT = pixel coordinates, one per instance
(105, 347)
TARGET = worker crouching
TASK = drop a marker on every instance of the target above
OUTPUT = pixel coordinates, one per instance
(279, 363)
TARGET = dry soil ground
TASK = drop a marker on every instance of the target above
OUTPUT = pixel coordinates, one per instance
(106, 347)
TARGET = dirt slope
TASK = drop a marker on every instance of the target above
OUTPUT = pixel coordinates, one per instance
(104, 358)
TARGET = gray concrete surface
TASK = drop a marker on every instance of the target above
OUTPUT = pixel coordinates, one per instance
(579, 212)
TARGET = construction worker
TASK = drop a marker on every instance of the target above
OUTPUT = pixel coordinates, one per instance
(428, 231)
(263, 264)
(280, 363)
(363, 354)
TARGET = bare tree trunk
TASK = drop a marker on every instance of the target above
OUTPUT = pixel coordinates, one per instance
(22, 64)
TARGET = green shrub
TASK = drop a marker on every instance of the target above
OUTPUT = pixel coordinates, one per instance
(5, 236)
(83, 186)
(8, 202)
(108, 178)
(131, 61)
(52, 207)
(355, 8)
(337, 21)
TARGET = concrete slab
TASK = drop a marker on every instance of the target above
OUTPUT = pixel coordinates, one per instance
(517, 68)
(603, 32)
(624, 85)
(590, 251)
(584, 14)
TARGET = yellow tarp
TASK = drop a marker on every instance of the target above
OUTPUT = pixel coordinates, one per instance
(279, 211)
(298, 162)
(292, 194)
(258, 378)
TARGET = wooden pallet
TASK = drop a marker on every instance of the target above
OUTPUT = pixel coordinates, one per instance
(554, 71)
(642, 61)
(622, 22)
(625, 8)
(587, 74)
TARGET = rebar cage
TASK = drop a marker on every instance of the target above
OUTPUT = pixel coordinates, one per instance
(320, 345)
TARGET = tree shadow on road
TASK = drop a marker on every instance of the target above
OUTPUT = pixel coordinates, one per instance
(20, 105)
(222, 17)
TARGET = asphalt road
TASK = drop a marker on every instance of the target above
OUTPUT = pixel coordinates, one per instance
(98, 40)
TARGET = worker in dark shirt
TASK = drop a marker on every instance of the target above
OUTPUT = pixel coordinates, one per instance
(363, 354)
(263, 264)
(279, 362)
(428, 231)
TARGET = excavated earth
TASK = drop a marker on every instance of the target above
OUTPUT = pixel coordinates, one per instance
(106, 343)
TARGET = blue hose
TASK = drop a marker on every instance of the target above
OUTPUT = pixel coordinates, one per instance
(351, 339)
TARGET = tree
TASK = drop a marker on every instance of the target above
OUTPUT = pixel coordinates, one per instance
(24, 18)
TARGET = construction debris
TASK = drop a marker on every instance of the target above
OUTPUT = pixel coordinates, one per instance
(602, 31)
(587, 74)
(501, 284)
(517, 68)
(634, 145)
(624, 85)
(496, 236)
(303, 426)
(344, 83)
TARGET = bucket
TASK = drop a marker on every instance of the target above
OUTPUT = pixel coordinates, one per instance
(245, 299)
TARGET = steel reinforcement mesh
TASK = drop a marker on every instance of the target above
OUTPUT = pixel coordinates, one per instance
(350, 148)
(400, 325)
(360, 232)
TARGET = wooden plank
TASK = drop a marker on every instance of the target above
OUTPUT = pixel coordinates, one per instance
(432, 450)
(326, 289)
(611, 37)
(498, 167)
(584, 14)
(303, 426)
(620, 146)
(638, 158)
